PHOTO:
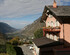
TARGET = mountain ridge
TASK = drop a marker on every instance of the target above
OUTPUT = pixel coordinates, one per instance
(29, 30)
(5, 28)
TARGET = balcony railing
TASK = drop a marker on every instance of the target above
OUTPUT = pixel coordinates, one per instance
(51, 29)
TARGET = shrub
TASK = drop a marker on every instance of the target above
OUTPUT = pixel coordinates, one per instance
(8, 42)
(4, 54)
(10, 49)
(2, 48)
(14, 41)
(38, 33)
(30, 42)
(21, 43)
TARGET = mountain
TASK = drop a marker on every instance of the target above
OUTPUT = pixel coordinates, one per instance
(29, 30)
(5, 28)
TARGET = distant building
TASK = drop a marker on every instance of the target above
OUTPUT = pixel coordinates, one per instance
(56, 33)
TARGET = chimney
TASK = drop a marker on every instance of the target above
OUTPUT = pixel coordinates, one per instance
(54, 4)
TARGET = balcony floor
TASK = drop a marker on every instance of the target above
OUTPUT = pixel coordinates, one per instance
(52, 30)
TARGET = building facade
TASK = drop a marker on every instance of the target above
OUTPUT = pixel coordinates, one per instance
(57, 25)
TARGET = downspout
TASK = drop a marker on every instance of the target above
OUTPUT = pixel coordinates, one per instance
(63, 34)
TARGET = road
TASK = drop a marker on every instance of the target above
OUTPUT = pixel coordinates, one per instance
(26, 50)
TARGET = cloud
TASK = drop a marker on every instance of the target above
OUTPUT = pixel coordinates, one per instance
(20, 8)
(16, 23)
(20, 23)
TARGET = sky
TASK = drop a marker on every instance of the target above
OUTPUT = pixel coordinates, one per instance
(19, 13)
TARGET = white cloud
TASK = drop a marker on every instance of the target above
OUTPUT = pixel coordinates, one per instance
(19, 8)
(16, 23)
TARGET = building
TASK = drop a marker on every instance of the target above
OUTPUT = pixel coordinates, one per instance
(56, 33)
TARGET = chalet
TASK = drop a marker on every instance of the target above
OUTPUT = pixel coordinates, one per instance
(56, 33)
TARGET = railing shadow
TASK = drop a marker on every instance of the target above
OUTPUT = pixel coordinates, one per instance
(18, 51)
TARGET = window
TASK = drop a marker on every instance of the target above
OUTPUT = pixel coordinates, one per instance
(50, 16)
(52, 23)
(47, 11)
(55, 38)
(47, 35)
(56, 23)
(51, 36)
(48, 24)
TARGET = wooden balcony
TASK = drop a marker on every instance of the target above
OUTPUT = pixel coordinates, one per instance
(51, 29)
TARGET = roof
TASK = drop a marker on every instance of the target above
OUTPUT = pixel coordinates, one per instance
(43, 41)
(60, 10)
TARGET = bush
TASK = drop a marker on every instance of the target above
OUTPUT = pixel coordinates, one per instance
(30, 42)
(2, 48)
(8, 43)
(21, 43)
(38, 33)
(3, 54)
(14, 41)
(10, 49)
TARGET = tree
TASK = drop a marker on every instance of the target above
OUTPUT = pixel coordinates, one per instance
(38, 33)
(15, 41)
(10, 49)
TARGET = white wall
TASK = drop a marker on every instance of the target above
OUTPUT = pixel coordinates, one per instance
(36, 49)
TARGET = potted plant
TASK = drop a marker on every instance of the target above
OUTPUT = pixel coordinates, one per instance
(48, 27)
(57, 27)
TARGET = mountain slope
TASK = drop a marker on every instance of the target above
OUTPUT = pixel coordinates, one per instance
(29, 30)
(5, 28)
(2, 39)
